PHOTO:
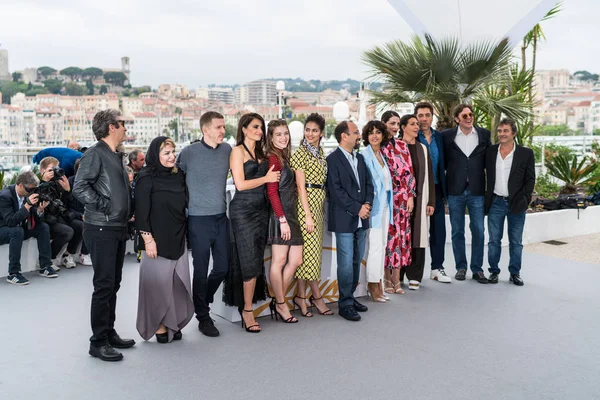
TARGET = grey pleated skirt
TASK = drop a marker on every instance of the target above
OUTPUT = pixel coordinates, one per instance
(165, 295)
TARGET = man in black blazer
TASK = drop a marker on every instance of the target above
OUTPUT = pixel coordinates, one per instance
(464, 149)
(350, 197)
(510, 183)
(20, 220)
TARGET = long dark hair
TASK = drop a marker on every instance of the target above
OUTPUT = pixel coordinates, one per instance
(259, 150)
(404, 122)
(282, 154)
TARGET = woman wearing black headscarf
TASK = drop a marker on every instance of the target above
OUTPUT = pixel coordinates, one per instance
(165, 302)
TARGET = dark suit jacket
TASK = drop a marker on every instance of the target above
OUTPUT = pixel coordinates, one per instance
(441, 170)
(521, 180)
(459, 166)
(346, 197)
(10, 213)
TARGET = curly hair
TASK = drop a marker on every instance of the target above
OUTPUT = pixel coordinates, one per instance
(368, 129)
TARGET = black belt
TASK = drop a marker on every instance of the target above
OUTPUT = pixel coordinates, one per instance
(313, 186)
(501, 197)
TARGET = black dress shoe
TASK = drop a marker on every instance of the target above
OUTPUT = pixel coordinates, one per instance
(208, 328)
(118, 343)
(360, 307)
(493, 278)
(480, 277)
(178, 335)
(162, 337)
(461, 274)
(349, 313)
(515, 279)
(105, 353)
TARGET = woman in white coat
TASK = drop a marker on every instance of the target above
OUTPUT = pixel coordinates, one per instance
(375, 135)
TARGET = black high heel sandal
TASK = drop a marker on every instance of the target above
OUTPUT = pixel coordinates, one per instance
(178, 335)
(248, 328)
(273, 307)
(308, 312)
(312, 302)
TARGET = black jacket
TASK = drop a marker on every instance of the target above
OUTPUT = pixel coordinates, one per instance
(521, 180)
(459, 166)
(346, 197)
(10, 213)
(102, 185)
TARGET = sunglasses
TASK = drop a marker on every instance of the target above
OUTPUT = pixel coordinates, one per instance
(465, 116)
(121, 122)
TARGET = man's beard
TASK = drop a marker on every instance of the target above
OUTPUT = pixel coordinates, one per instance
(357, 145)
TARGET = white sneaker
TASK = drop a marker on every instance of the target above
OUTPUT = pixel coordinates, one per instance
(440, 276)
(85, 259)
(56, 263)
(68, 262)
(414, 285)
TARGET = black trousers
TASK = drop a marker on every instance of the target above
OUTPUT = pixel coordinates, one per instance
(107, 250)
(64, 232)
(414, 272)
(208, 234)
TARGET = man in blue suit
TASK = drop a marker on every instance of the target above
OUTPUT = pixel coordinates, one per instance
(350, 197)
(434, 142)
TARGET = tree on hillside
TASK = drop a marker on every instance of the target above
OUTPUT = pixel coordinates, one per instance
(34, 91)
(16, 76)
(9, 89)
(71, 72)
(92, 72)
(115, 78)
(74, 89)
(46, 71)
(446, 73)
(90, 86)
(54, 86)
(103, 89)
(586, 76)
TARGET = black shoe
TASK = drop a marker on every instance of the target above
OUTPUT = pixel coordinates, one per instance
(47, 272)
(515, 279)
(349, 313)
(162, 337)
(118, 343)
(178, 335)
(461, 274)
(208, 328)
(105, 353)
(360, 307)
(480, 277)
(493, 278)
(17, 279)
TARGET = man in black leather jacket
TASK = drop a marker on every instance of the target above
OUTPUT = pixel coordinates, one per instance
(103, 186)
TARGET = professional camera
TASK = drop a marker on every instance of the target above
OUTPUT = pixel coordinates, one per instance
(46, 191)
(58, 173)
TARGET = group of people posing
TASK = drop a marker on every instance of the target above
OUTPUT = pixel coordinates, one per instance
(389, 195)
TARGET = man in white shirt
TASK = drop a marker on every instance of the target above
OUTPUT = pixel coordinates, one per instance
(510, 182)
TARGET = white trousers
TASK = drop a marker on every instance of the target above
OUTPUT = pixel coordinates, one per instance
(377, 245)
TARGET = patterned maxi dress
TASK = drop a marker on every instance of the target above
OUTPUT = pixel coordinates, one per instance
(397, 156)
(314, 166)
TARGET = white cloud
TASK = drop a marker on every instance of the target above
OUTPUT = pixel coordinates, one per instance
(200, 42)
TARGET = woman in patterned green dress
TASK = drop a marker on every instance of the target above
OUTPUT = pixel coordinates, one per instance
(311, 172)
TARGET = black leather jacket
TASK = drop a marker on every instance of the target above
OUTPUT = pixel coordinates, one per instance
(102, 185)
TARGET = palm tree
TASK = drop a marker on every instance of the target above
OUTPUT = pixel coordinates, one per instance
(446, 73)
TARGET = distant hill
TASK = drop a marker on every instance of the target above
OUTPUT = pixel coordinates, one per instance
(316, 85)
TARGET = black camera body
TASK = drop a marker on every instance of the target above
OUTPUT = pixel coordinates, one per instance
(58, 173)
(45, 191)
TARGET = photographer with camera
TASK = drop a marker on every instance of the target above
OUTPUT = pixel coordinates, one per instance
(65, 228)
(20, 219)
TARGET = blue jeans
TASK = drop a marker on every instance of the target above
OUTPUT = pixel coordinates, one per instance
(350, 251)
(499, 211)
(457, 206)
(437, 231)
(15, 236)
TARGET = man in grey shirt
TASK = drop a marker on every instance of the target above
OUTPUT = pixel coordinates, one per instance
(206, 166)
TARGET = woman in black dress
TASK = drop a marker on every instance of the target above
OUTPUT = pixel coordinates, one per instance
(165, 302)
(248, 212)
(285, 236)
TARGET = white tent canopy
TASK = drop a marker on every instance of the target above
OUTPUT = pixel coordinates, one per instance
(471, 20)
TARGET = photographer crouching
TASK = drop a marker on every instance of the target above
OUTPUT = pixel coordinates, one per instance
(20, 219)
(65, 227)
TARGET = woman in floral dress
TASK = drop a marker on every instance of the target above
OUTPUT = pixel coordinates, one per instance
(398, 251)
